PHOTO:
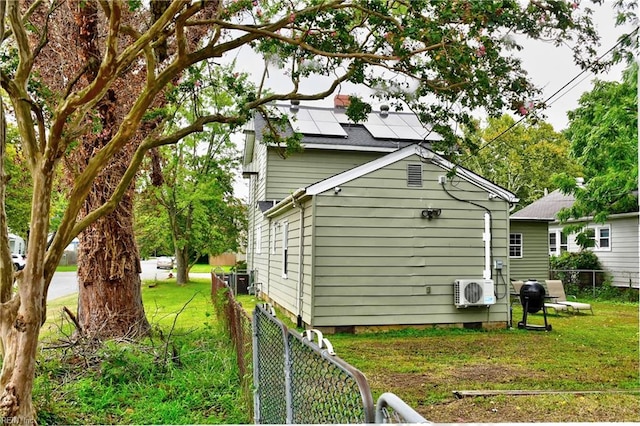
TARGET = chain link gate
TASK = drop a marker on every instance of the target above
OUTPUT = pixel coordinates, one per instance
(298, 381)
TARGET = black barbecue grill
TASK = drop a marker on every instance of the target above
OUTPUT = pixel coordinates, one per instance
(532, 295)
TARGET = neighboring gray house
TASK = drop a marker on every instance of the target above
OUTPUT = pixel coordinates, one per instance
(616, 242)
(370, 228)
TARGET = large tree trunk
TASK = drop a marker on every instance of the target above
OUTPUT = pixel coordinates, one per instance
(109, 299)
(22, 316)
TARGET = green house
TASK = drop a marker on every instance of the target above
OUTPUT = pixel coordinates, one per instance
(540, 235)
(369, 228)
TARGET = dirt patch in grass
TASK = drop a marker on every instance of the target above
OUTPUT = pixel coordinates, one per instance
(432, 397)
(538, 408)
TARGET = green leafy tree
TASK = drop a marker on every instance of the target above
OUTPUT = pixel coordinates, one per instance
(189, 194)
(151, 227)
(441, 58)
(603, 132)
(18, 198)
(522, 159)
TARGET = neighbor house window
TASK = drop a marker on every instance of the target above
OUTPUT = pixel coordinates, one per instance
(285, 248)
(564, 245)
(557, 243)
(602, 236)
(515, 245)
(553, 243)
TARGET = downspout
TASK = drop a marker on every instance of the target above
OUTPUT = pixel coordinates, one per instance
(272, 237)
(300, 292)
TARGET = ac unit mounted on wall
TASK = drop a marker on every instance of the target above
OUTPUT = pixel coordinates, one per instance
(477, 292)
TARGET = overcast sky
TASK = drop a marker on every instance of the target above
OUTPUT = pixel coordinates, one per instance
(552, 67)
(549, 66)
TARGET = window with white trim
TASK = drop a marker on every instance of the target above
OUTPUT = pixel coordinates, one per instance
(564, 242)
(602, 237)
(558, 242)
(553, 243)
(515, 245)
(285, 248)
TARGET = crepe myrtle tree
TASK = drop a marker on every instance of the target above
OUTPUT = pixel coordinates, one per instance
(441, 58)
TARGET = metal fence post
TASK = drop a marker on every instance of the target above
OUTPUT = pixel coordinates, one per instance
(287, 375)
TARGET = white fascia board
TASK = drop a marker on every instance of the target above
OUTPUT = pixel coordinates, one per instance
(476, 180)
(249, 144)
(369, 167)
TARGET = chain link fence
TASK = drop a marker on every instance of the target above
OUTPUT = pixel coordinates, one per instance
(297, 378)
(237, 325)
(591, 279)
(299, 381)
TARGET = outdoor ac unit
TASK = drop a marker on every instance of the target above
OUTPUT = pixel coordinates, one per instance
(478, 292)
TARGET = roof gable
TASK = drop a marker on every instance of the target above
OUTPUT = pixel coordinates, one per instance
(401, 154)
(545, 208)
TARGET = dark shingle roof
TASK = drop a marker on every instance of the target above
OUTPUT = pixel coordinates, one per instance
(546, 208)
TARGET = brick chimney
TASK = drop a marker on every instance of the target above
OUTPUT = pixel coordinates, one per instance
(341, 101)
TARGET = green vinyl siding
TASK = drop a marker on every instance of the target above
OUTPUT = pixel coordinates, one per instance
(534, 262)
(308, 167)
(285, 291)
(258, 262)
(378, 262)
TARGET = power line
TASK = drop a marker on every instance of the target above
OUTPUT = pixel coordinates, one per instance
(562, 88)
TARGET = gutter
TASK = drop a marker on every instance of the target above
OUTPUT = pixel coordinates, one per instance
(287, 203)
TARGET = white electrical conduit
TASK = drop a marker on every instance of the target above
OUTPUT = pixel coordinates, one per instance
(486, 237)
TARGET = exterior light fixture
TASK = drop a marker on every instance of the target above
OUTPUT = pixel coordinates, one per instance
(431, 213)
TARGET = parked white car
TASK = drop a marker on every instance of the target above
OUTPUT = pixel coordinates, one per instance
(18, 261)
(164, 262)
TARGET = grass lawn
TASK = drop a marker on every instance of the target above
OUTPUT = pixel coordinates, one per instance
(197, 268)
(184, 374)
(582, 353)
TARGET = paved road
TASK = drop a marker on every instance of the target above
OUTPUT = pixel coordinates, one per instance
(65, 283)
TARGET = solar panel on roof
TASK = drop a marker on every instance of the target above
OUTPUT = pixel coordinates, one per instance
(380, 131)
(325, 122)
(321, 115)
(315, 122)
(304, 126)
(406, 132)
(393, 120)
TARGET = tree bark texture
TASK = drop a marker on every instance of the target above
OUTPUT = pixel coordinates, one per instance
(22, 315)
(109, 300)
(182, 265)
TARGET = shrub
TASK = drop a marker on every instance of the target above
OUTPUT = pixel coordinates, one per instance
(568, 264)
(585, 259)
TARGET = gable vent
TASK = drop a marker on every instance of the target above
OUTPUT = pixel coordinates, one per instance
(414, 174)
